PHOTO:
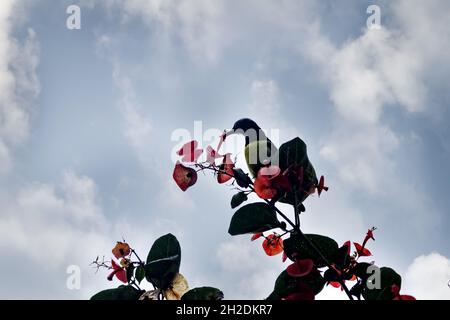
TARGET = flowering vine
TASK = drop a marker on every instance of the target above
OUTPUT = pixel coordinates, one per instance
(286, 175)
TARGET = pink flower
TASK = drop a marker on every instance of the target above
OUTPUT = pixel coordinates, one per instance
(189, 152)
(257, 236)
(119, 272)
(362, 252)
(397, 296)
(184, 177)
(212, 155)
(321, 186)
(225, 169)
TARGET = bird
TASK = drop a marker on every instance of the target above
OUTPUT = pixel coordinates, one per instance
(260, 151)
(258, 148)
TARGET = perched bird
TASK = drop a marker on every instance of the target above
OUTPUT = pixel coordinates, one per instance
(291, 158)
(258, 148)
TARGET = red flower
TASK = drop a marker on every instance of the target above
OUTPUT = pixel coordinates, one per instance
(226, 169)
(362, 252)
(300, 268)
(397, 296)
(336, 284)
(347, 244)
(264, 188)
(184, 177)
(269, 171)
(212, 155)
(189, 152)
(369, 235)
(121, 250)
(273, 245)
(119, 272)
(269, 181)
(284, 258)
(321, 186)
(257, 236)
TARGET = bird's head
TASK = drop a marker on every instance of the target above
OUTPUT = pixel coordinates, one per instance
(244, 125)
(248, 128)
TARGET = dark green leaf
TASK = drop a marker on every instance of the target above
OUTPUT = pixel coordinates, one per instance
(140, 273)
(253, 218)
(120, 293)
(342, 257)
(292, 153)
(203, 293)
(285, 284)
(388, 277)
(238, 199)
(242, 179)
(163, 261)
(357, 289)
(331, 275)
(130, 271)
(296, 247)
(360, 270)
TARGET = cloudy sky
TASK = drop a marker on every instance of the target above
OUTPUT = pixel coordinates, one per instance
(89, 120)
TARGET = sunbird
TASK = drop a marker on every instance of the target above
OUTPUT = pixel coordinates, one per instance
(291, 158)
(258, 148)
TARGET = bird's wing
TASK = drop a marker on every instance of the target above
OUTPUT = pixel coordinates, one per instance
(257, 152)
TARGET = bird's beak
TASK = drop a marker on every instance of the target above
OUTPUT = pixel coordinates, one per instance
(227, 133)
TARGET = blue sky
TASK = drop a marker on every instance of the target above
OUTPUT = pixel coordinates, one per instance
(87, 118)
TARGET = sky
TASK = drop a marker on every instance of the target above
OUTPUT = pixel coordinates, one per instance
(90, 119)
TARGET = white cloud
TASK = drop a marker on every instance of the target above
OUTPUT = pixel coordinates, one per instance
(371, 72)
(428, 278)
(54, 225)
(253, 272)
(137, 125)
(362, 154)
(367, 75)
(197, 25)
(138, 128)
(52, 222)
(266, 109)
(19, 84)
(265, 98)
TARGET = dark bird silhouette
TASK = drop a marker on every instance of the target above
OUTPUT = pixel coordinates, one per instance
(260, 151)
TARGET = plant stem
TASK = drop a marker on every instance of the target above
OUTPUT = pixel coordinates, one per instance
(295, 225)
(134, 252)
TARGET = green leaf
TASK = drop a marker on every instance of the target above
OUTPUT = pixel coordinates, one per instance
(285, 284)
(203, 293)
(140, 273)
(253, 218)
(388, 277)
(292, 152)
(164, 247)
(360, 270)
(120, 293)
(130, 271)
(238, 199)
(242, 179)
(296, 247)
(163, 261)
